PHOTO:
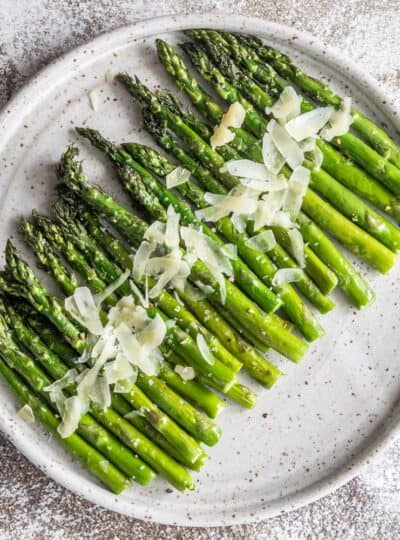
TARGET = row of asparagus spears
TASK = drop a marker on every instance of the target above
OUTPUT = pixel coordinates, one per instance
(160, 424)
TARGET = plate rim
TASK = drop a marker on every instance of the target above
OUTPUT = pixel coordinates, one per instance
(10, 115)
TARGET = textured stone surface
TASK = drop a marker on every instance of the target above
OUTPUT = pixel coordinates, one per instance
(34, 32)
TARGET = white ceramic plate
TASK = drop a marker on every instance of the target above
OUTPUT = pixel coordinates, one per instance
(322, 422)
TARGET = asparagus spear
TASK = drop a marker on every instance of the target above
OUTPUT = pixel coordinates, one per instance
(324, 95)
(345, 201)
(183, 413)
(20, 281)
(159, 461)
(257, 366)
(89, 425)
(90, 458)
(269, 328)
(349, 144)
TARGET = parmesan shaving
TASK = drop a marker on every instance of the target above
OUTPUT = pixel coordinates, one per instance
(289, 148)
(221, 135)
(287, 105)
(155, 233)
(245, 168)
(172, 228)
(206, 249)
(240, 204)
(267, 208)
(310, 123)
(277, 183)
(297, 246)
(74, 408)
(26, 414)
(82, 306)
(94, 98)
(178, 176)
(273, 159)
(110, 76)
(286, 275)
(100, 297)
(131, 348)
(187, 373)
(298, 184)
(264, 241)
(141, 258)
(204, 349)
(234, 117)
(339, 122)
(142, 299)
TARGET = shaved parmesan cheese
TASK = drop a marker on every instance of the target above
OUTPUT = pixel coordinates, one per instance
(283, 219)
(74, 408)
(297, 246)
(142, 299)
(234, 116)
(272, 158)
(211, 213)
(276, 184)
(318, 158)
(187, 373)
(289, 148)
(245, 168)
(286, 275)
(287, 106)
(133, 350)
(204, 350)
(221, 135)
(82, 306)
(94, 98)
(166, 268)
(310, 123)
(267, 208)
(119, 369)
(153, 334)
(220, 279)
(230, 250)
(172, 228)
(155, 233)
(239, 222)
(308, 144)
(110, 76)
(100, 297)
(239, 204)
(206, 249)
(205, 290)
(142, 257)
(309, 147)
(178, 176)
(339, 122)
(26, 414)
(264, 241)
(298, 184)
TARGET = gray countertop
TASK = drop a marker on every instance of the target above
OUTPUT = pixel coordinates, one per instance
(32, 33)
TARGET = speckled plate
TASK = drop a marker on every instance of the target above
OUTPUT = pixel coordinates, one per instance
(330, 415)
